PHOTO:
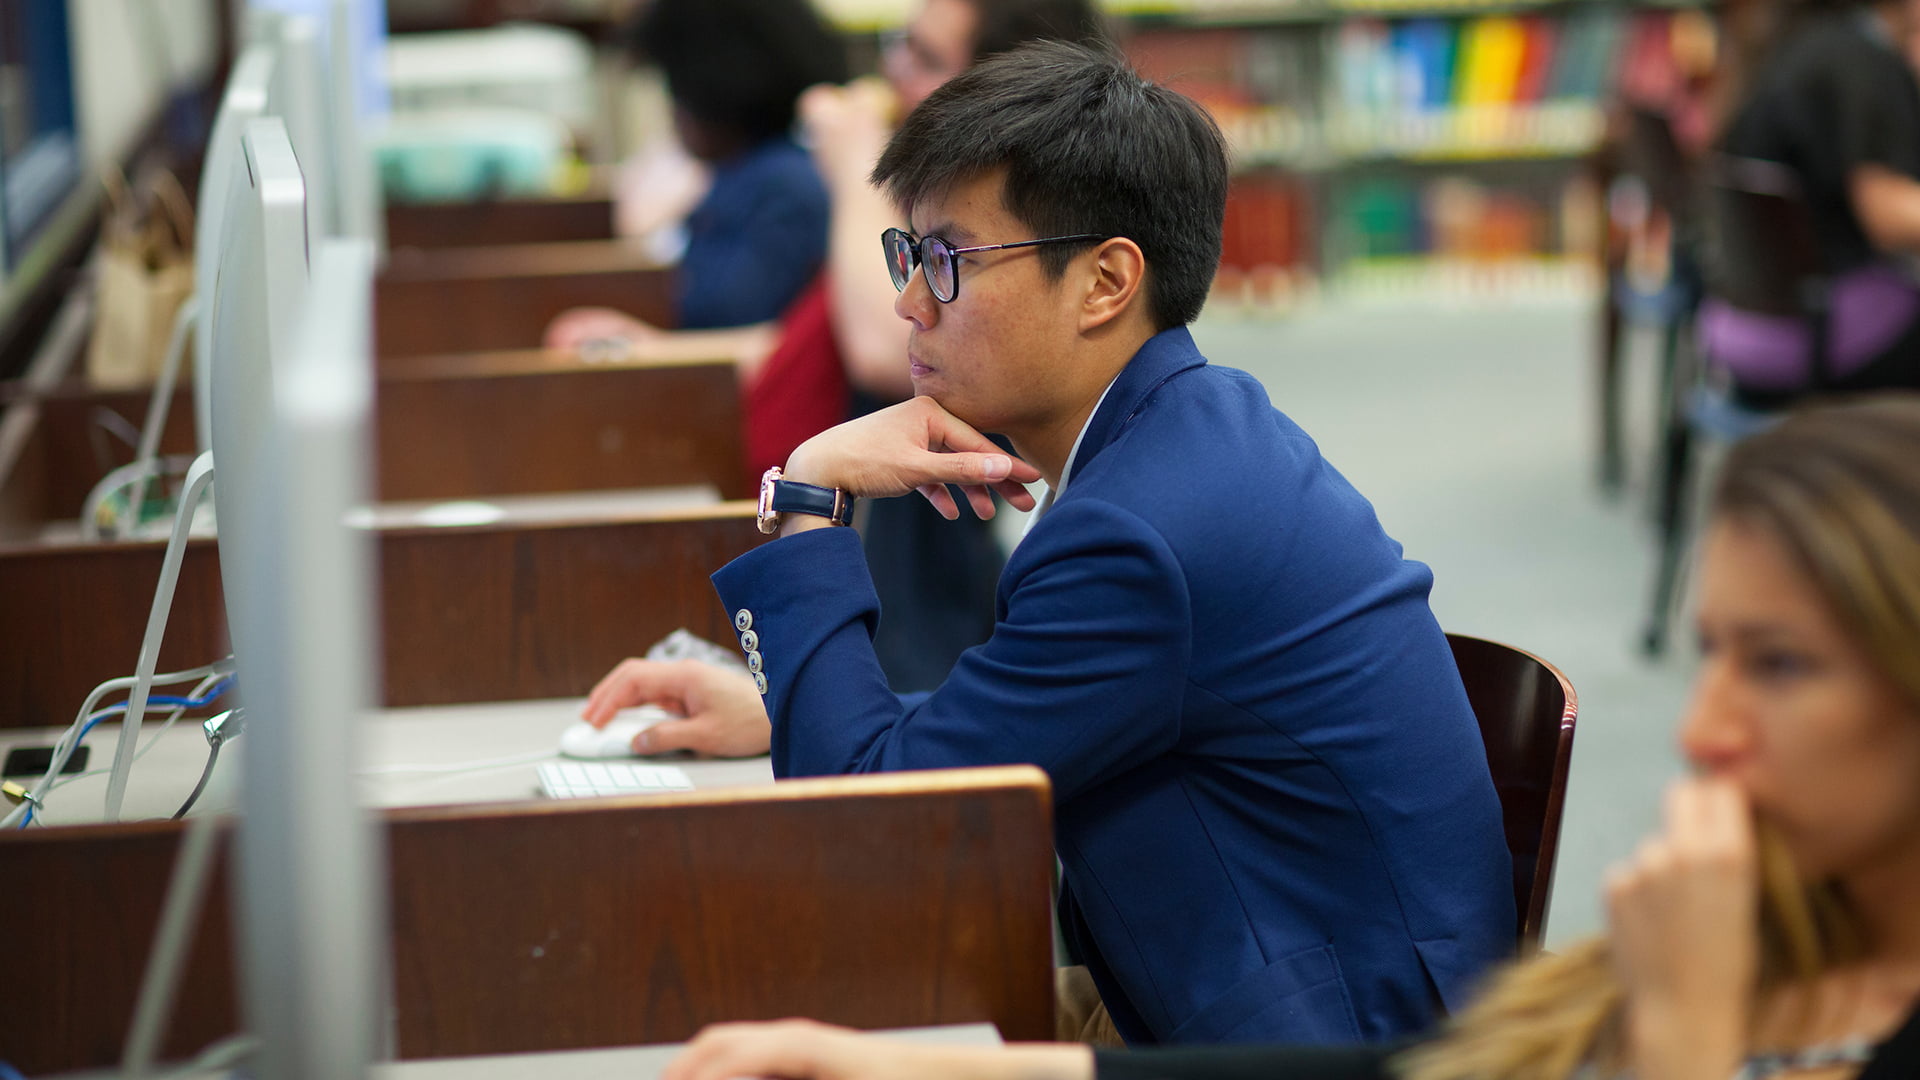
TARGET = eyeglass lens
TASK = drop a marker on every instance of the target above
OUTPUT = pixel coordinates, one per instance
(900, 257)
(936, 258)
(934, 255)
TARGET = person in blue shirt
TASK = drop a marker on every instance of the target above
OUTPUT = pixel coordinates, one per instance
(1272, 805)
(734, 71)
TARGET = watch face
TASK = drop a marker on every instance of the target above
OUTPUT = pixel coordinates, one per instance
(769, 521)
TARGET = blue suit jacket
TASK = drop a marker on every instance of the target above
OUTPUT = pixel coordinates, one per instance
(1272, 802)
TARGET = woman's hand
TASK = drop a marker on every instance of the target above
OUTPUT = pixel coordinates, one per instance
(847, 127)
(804, 1050)
(597, 329)
(1683, 921)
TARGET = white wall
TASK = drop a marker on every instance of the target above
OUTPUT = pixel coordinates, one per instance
(127, 54)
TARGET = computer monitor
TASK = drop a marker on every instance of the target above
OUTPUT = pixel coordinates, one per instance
(258, 288)
(336, 89)
(311, 920)
(245, 100)
(259, 292)
(360, 104)
(301, 95)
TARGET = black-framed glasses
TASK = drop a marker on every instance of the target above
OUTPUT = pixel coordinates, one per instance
(936, 258)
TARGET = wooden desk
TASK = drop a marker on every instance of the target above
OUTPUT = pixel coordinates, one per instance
(445, 428)
(630, 1062)
(480, 299)
(500, 221)
(881, 901)
(504, 611)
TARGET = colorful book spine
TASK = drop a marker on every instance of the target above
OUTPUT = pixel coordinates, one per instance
(1542, 39)
(1493, 51)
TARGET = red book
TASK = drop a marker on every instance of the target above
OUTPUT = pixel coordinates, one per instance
(1536, 64)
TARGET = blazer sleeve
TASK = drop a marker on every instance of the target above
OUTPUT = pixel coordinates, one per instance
(1084, 674)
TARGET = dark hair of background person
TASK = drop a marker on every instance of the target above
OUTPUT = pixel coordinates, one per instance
(1007, 24)
(738, 65)
(1088, 147)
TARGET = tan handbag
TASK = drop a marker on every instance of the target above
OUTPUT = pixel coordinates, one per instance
(145, 274)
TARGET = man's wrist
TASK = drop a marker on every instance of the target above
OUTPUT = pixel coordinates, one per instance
(806, 469)
(788, 501)
(795, 524)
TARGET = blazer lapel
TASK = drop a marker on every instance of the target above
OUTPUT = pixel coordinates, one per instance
(1165, 355)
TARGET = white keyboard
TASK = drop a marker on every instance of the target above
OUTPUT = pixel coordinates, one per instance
(585, 780)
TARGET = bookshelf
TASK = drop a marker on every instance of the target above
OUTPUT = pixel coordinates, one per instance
(1395, 146)
(1387, 147)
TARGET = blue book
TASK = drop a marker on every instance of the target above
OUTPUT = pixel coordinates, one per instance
(1431, 44)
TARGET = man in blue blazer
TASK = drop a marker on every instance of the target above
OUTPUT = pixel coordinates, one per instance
(1272, 803)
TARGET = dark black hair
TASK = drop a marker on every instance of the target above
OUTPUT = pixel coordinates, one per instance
(1006, 24)
(739, 65)
(1088, 147)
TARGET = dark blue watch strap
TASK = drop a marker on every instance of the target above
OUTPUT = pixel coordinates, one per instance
(794, 497)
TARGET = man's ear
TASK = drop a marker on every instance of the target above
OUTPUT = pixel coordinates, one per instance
(1115, 279)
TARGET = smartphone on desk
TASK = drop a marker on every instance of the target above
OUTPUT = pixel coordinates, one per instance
(33, 761)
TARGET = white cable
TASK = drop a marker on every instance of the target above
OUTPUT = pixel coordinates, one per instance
(184, 318)
(218, 1056)
(134, 475)
(63, 748)
(173, 718)
(469, 766)
(198, 477)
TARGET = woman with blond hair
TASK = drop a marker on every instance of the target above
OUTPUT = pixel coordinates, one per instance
(1772, 927)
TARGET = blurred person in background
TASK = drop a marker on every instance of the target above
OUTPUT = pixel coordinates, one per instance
(735, 70)
(840, 350)
(1772, 926)
(1827, 88)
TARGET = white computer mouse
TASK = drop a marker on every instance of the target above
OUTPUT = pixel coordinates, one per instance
(583, 740)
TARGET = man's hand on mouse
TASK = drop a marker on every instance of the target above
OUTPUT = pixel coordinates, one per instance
(724, 714)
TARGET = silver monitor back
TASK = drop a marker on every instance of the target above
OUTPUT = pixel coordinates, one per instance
(244, 101)
(331, 85)
(259, 291)
(301, 95)
(358, 33)
(311, 918)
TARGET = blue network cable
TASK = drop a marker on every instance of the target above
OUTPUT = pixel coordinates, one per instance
(158, 699)
(172, 701)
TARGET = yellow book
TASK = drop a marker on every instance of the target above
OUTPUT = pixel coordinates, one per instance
(1493, 51)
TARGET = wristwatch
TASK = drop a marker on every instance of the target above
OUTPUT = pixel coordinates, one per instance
(780, 496)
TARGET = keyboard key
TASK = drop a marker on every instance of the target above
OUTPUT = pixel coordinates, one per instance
(567, 780)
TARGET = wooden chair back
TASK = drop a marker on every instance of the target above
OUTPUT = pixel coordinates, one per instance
(1526, 709)
(1764, 250)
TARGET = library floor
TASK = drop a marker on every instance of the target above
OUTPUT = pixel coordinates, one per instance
(1472, 430)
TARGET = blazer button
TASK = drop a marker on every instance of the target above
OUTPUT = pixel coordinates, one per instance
(749, 640)
(760, 683)
(743, 620)
(753, 662)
